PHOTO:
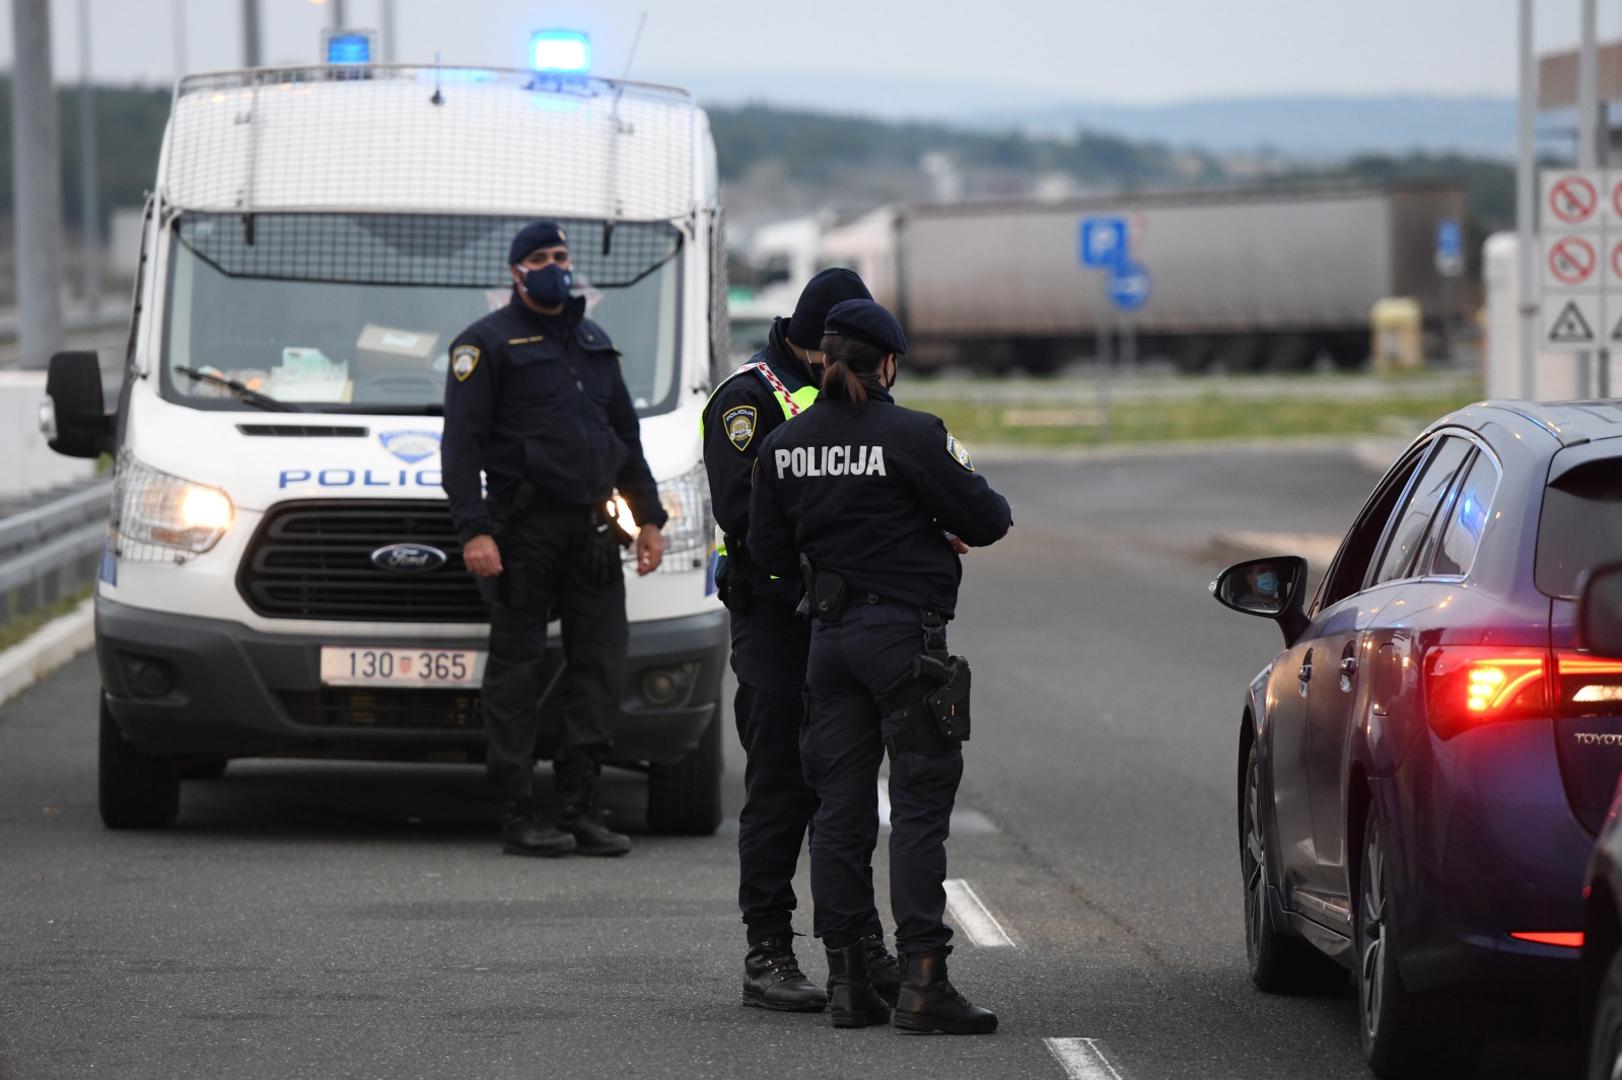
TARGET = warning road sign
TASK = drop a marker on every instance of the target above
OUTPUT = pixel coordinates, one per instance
(1571, 262)
(1571, 200)
(1572, 322)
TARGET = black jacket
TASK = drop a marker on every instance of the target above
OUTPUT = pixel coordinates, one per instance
(540, 398)
(729, 464)
(868, 492)
(769, 642)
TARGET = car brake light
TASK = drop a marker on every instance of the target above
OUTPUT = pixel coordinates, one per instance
(1562, 938)
(1469, 685)
(1589, 685)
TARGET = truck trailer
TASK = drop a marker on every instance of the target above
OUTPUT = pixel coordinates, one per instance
(1260, 277)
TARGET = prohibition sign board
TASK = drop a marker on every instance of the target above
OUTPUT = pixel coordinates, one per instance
(1571, 263)
(1571, 200)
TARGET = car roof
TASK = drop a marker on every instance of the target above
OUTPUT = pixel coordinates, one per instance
(1570, 423)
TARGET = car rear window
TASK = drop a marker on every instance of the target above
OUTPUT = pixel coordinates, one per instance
(1581, 525)
(1467, 520)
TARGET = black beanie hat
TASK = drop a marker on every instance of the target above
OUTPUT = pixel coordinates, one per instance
(532, 238)
(820, 294)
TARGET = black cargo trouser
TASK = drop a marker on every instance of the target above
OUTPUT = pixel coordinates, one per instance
(852, 664)
(554, 560)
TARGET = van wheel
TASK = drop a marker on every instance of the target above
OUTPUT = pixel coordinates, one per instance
(136, 791)
(684, 799)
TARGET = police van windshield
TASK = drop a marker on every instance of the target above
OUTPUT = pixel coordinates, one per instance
(356, 312)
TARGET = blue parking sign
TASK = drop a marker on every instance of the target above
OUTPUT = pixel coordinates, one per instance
(1129, 287)
(1103, 242)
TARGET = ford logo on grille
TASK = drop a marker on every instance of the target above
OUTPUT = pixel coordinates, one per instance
(408, 558)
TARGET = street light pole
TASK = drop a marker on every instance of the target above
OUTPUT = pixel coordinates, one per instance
(250, 33)
(179, 21)
(89, 197)
(390, 46)
(1524, 204)
(338, 19)
(35, 178)
(1587, 153)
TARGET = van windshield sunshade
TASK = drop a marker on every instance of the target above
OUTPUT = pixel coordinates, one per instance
(443, 250)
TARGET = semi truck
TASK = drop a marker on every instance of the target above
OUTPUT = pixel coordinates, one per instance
(282, 577)
(1260, 277)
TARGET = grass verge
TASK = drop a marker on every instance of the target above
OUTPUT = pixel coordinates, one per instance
(14, 632)
(1210, 417)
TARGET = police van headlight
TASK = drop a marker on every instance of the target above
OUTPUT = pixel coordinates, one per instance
(158, 517)
(688, 533)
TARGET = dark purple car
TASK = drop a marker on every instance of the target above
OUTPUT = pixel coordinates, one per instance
(1423, 769)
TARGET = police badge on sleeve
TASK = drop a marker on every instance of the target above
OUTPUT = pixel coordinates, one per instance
(464, 358)
(959, 452)
(740, 426)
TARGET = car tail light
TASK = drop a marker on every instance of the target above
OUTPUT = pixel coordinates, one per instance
(1565, 939)
(1589, 685)
(1470, 685)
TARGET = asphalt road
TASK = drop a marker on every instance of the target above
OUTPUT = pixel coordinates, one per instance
(345, 920)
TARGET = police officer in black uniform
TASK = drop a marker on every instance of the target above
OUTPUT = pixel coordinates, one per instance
(875, 503)
(535, 399)
(769, 645)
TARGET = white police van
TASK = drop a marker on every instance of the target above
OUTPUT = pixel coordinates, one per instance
(281, 577)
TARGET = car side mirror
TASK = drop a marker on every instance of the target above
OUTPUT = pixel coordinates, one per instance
(73, 416)
(1273, 588)
(1599, 610)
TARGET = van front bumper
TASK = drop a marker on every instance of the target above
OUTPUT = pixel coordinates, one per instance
(187, 686)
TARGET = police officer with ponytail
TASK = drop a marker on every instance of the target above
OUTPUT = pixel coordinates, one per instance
(873, 504)
(769, 645)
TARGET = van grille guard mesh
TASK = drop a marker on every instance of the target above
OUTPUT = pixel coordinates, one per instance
(410, 138)
(444, 250)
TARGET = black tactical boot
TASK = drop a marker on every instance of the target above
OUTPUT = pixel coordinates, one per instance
(930, 1004)
(883, 970)
(526, 832)
(772, 979)
(576, 779)
(851, 997)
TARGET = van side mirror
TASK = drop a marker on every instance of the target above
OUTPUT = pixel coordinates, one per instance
(1273, 588)
(1599, 610)
(74, 415)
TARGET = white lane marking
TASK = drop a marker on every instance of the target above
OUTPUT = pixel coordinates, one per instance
(978, 924)
(884, 802)
(1081, 1059)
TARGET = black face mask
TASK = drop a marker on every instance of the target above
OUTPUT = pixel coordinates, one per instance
(549, 286)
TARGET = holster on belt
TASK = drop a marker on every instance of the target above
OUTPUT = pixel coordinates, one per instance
(735, 578)
(933, 697)
(826, 592)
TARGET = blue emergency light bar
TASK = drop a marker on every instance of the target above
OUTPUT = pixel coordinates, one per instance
(563, 52)
(349, 49)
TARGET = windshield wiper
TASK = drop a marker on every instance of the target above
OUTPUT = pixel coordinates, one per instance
(251, 396)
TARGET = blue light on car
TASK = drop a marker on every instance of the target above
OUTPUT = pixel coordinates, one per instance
(564, 52)
(349, 49)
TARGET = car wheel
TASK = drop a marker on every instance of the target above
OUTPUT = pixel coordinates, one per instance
(1280, 962)
(1401, 1036)
(136, 791)
(684, 799)
(1605, 1045)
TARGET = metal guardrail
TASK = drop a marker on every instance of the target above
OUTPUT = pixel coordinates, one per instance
(52, 551)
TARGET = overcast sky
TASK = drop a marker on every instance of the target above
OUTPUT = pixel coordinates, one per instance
(1007, 52)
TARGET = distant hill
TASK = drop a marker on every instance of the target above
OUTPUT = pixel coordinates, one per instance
(1315, 127)
(1297, 127)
